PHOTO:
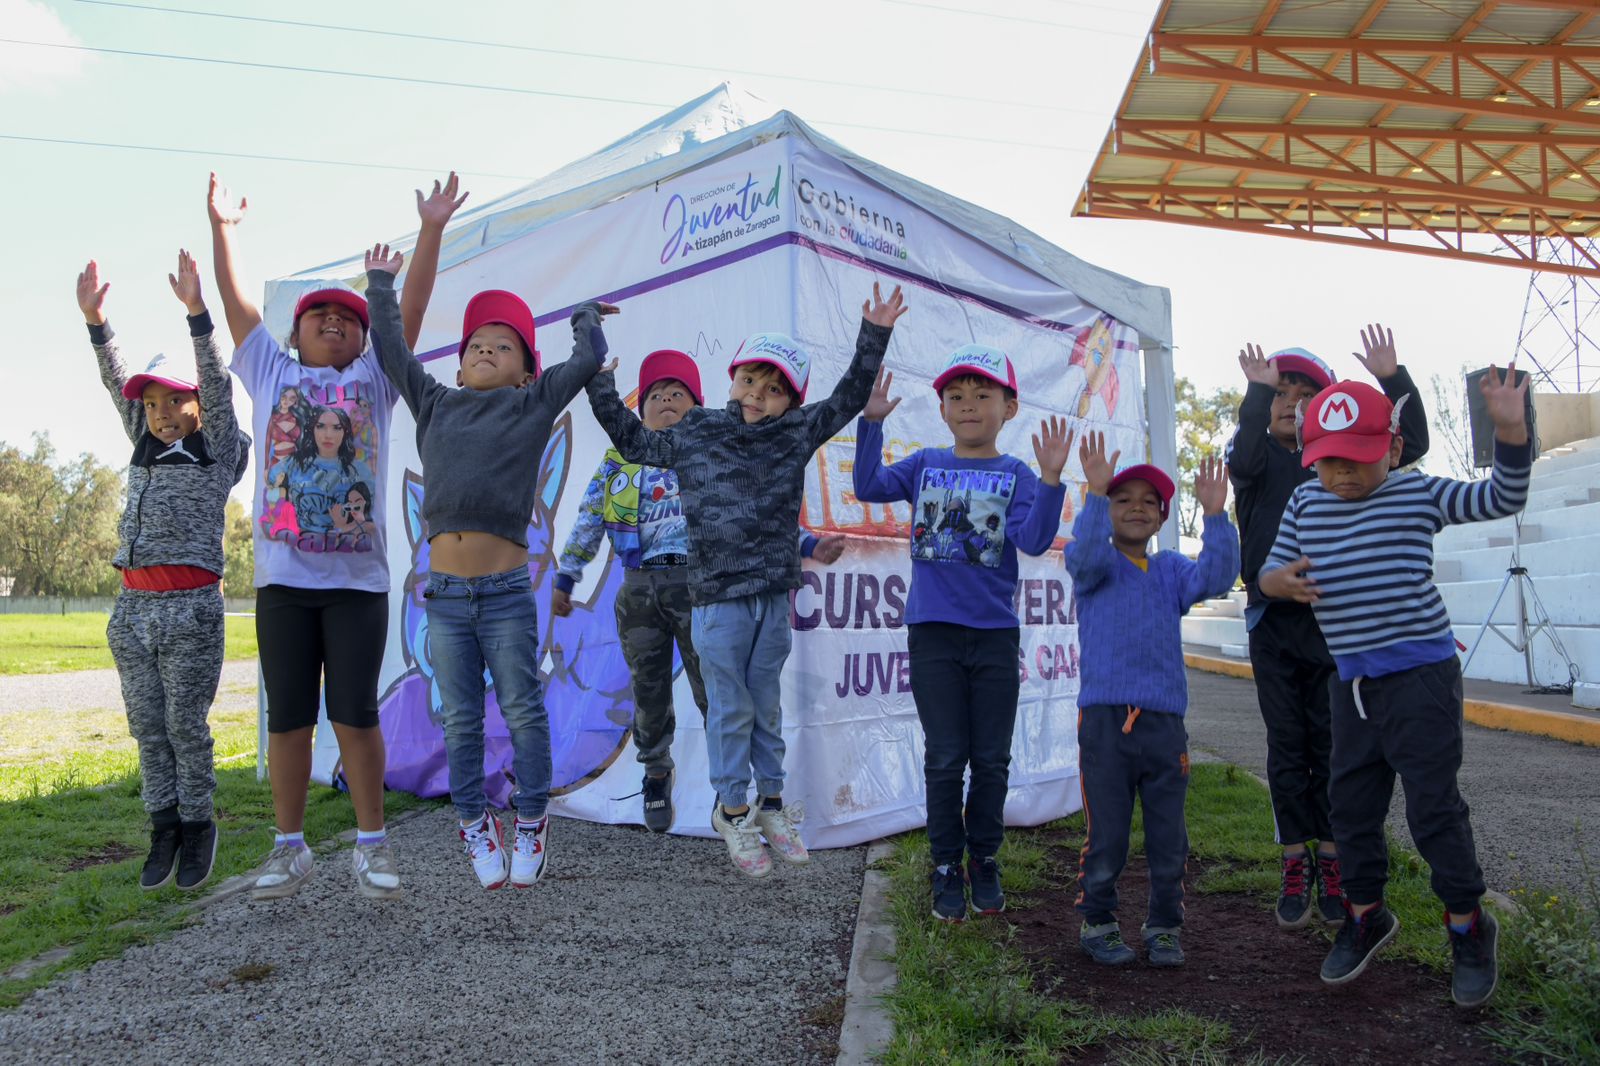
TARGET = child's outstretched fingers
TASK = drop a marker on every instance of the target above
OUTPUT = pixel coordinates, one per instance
(879, 405)
(1380, 360)
(220, 204)
(881, 312)
(438, 206)
(186, 283)
(1257, 367)
(381, 258)
(92, 294)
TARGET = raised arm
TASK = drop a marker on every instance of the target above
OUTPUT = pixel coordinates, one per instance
(226, 214)
(637, 444)
(875, 482)
(1383, 363)
(1247, 451)
(1505, 490)
(1090, 556)
(827, 417)
(562, 382)
(435, 211)
(1213, 572)
(400, 366)
(91, 301)
(218, 422)
(1041, 509)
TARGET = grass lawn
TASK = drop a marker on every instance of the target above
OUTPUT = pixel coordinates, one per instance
(966, 993)
(58, 643)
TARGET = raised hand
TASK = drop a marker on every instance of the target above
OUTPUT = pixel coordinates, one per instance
(1381, 361)
(1505, 403)
(1211, 486)
(878, 404)
(92, 294)
(186, 284)
(828, 549)
(1097, 469)
(883, 313)
(1257, 367)
(222, 207)
(380, 258)
(1052, 446)
(436, 208)
(1291, 582)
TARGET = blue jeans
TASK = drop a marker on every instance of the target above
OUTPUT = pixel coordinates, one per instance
(490, 621)
(743, 645)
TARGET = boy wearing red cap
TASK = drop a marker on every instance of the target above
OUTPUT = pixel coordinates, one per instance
(1133, 690)
(321, 564)
(640, 509)
(979, 508)
(166, 630)
(480, 445)
(1288, 655)
(1357, 545)
(741, 471)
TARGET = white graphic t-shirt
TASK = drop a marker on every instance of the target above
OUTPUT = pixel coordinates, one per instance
(320, 437)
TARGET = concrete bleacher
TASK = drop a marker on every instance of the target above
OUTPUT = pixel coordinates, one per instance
(1560, 547)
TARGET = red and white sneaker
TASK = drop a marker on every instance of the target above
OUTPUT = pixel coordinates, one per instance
(530, 852)
(781, 827)
(743, 836)
(481, 842)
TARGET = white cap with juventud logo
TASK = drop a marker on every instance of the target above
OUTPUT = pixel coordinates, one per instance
(981, 360)
(782, 352)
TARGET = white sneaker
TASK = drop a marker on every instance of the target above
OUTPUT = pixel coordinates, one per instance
(283, 872)
(530, 855)
(377, 876)
(481, 842)
(743, 836)
(782, 830)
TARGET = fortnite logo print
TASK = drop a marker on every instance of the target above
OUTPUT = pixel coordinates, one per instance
(1340, 411)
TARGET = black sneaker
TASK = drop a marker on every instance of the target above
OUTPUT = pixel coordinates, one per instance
(1161, 947)
(1476, 966)
(1330, 890)
(1294, 897)
(162, 862)
(1358, 940)
(949, 893)
(1104, 944)
(658, 803)
(196, 852)
(984, 877)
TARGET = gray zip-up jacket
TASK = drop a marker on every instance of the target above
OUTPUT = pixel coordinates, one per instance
(480, 449)
(177, 495)
(742, 484)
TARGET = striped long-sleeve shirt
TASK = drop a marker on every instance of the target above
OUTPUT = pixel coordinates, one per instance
(1372, 559)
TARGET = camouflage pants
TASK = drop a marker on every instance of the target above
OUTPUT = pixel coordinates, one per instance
(168, 651)
(652, 611)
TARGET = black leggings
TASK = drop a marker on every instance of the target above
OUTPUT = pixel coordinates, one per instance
(304, 634)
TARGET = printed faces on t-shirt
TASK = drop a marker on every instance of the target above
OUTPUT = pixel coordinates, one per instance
(320, 494)
(960, 515)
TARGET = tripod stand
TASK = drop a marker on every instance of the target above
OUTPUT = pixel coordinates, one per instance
(1521, 583)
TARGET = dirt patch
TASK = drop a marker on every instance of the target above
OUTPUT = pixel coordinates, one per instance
(1242, 969)
(112, 851)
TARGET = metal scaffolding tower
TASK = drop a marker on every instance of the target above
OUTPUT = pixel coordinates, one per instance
(1559, 340)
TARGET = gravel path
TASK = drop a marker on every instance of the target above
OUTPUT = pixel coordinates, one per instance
(637, 948)
(93, 690)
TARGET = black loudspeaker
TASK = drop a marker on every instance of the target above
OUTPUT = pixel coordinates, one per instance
(1483, 428)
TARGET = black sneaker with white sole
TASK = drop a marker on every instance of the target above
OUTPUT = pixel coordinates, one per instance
(1358, 940)
(657, 792)
(1294, 894)
(162, 863)
(949, 893)
(196, 852)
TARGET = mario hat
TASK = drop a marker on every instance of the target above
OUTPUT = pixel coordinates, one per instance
(1350, 420)
(156, 373)
(498, 307)
(981, 360)
(343, 297)
(670, 364)
(782, 352)
(1157, 478)
(1299, 361)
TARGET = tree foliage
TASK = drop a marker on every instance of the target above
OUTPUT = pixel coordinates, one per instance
(1450, 435)
(1205, 424)
(239, 553)
(58, 522)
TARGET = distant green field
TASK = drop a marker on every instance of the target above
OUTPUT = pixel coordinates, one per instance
(59, 643)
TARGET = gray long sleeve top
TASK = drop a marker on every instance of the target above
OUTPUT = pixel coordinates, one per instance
(742, 484)
(480, 449)
(178, 495)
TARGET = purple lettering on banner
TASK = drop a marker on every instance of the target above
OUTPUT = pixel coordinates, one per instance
(804, 623)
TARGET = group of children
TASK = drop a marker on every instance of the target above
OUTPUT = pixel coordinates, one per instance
(1355, 664)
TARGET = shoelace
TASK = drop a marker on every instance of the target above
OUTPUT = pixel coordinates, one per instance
(527, 839)
(746, 831)
(478, 835)
(1164, 940)
(1328, 867)
(789, 816)
(1294, 876)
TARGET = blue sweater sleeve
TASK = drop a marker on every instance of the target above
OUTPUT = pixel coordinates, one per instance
(584, 541)
(1090, 555)
(1039, 505)
(1211, 574)
(875, 482)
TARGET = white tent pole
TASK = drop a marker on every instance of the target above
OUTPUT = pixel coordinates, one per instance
(1161, 418)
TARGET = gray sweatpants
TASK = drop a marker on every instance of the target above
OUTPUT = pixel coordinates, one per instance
(168, 649)
(653, 612)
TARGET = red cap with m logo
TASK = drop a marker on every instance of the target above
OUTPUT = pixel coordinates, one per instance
(1349, 420)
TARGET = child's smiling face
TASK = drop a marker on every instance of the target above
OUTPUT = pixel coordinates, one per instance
(975, 408)
(170, 414)
(1135, 514)
(329, 335)
(761, 391)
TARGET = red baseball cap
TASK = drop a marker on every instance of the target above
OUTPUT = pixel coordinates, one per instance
(979, 360)
(343, 297)
(669, 363)
(779, 350)
(156, 373)
(498, 307)
(1157, 478)
(1299, 361)
(1350, 420)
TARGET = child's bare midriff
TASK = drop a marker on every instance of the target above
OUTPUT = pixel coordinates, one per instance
(474, 554)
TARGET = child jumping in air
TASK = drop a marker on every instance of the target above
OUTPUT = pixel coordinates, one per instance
(961, 622)
(1288, 655)
(741, 472)
(166, 630)
(640, 509)
(322, 578)
(1133, 694)
(480, 445)
(1356, 544)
